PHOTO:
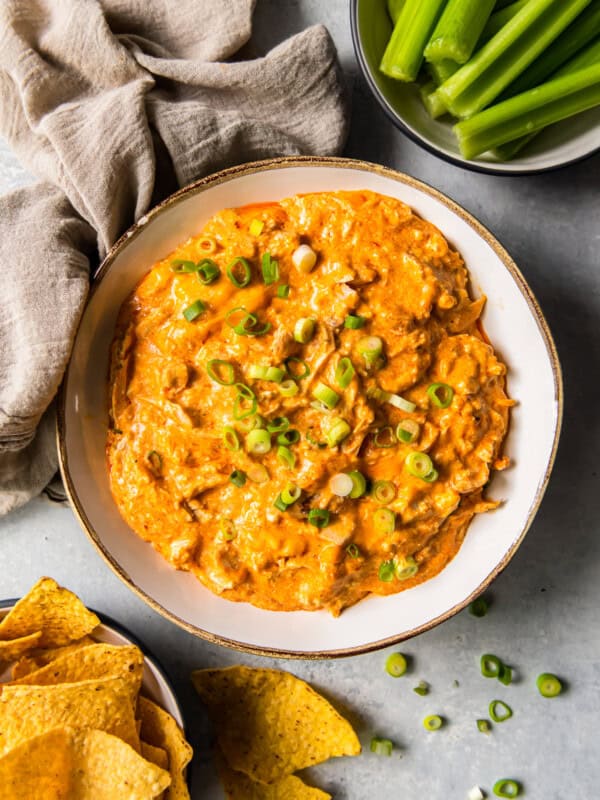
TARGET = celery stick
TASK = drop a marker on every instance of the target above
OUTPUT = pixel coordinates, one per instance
(503, 58)
(394, 8)
(530, 111)
(458, 30)
(435, 108)
(404, 54)
(499, 19)
(586, 58)
(440, 71)
(501, 4)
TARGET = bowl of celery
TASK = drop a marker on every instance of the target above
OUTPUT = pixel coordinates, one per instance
(492, 85)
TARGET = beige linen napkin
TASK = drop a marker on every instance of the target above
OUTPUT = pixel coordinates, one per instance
(114, 104)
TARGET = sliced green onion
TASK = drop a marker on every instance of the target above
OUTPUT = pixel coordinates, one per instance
(548, 685)
(499, 711)
(181, 266)
(341, 484)
(227, 529)
(279, 504)
(230, 438)
(385, 572)
(286, 438)
(221, 372)
(419, 464)
(319, 517)
(405, 568)
(270, 269)
(298, 376)
(325, 395)
(275, 374)
(283, 291)
(479, 607)
(352, 550)
(384, 492)
(433, 722)
(310, 438)
(291, 493)
(258, 442)
(344, 373)
(240, 266)
(194, 311)
(359, 484)
(256, 227)
(505, 676)
(207, 271)
(484, 725)
(250, 423)
(396, 665)
(337, 431)
(506, 787)
(154, 462)
(401, 403)
(278, 424)
(258, 473)
(257, 372)
(304, 330)
(371, 349)
(491, 666)
(288, 388)
(285, 455)
(431, 476)
(422, 689)
(384, 437)
(381, 747)
(355, 322)
(440, 394)
(246, 325)
(304, 258)
(407, 431)
(238, 478)
(245, 395)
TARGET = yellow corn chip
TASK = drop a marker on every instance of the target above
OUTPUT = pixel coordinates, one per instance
(238, 786)
(40, 658)
(270, 723)
(38, 769)
(57, 612)
(157, 755)
(15, 648)
(160, 729)
(27, 711)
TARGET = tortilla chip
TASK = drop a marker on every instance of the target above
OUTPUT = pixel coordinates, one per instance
(57, 612)
(15, 648)
(157, 755)
(94, 662)
(38, 769)
(160, 729)
(105, 768)
(238, 786)
(27, 711)
(40, 658)
(270, 723)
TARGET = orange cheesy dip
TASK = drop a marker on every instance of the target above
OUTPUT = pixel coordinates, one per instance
(305, 408)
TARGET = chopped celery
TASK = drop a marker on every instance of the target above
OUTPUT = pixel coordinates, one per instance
(458, 30)
(500, 18)
(530, 111)
(404, 54)
(435, 107)
(501, 4)
(394, 8)
(440, 71)
(507, 54)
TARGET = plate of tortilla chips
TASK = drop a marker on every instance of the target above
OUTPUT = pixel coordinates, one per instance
(84, 713)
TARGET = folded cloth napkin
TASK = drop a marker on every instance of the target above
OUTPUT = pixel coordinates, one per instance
(114, 104)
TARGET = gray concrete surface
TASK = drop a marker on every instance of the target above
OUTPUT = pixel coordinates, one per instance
(545, 611)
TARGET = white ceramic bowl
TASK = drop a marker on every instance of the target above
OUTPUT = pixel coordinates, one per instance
(559, 145)
(512, 319)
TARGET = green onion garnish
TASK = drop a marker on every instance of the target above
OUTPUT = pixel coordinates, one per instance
(354, 322)
(297, 376)
(221, 372)
(433, 722)
(245, 396)
(238, 478)
(384, 520)
(288, 388)
(250, 423)
(283, 291)
(227, 529)
(419, 465)
(352, 550)
(275, 374)
(291, 493)
(311, 440)
(257, 372)
(384, 492)
(180, 266)
(371, 349)
(194, 311)
(154, 462)
(258, 442)
(319, 517)
(384, 437)
(396, 665)
(337, 431)
(381, 747)
(548, 685)
(304, 258)
(506, 787)
(256, 227)
(484, 725)
(344, 373)
(325, 395)
(246, 325)
(304, 330)
(505, 676)
(278, 424)
(207, 271)
(440, 394)
(279, 504)
(499, 711)
(286, 438)
(386, 571)
(239, 272)
(258, 473)
(230, 438)
(491, 666)
(359, 484)
(405, 568)
(270, 269)
(285, 455)
(407, 431)
(422, 689)
(479, 607)
(341, 484)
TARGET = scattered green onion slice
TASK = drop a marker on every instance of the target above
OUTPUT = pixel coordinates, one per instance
(431, 476)
(401, 403)
(278, 424)
(154, 462)
(337, 431)
(325, 395)
(433, 723)
(291, 493)
(548, 685)
(381, 747)
(384, 520)
(341, 484)
(238, 478)
(479, 607)
(506, 787)
(256, 227)
(288, 388)
(207, 271)
(194, 311)
(407, 431)
(384, 437)
(484, 725)
(304, 258)
(422, 689)
(245, 395)
(440, 394)
(359, 484)
(344, 373)
(285, 455)
(181, 266)
(352, 550)
(311, 440)
(384, 492)
(279, 504)
(298, 376)
(258, 442)
(499, 711)
(242, 274)
(246, 324)
(258, 473)
(319, 517)
(304, 330)
(491, 666)
(286, 438)
(230, 438)
(505, 676)
(270, 269)
(419, 464)
(283, 291)
(250, 423)
(354, 322)
(371, 349)
(386, 571)
(257, 372)
(221, 371)
(396, 665)
(227, 529)
(405, 568)
(275, 374)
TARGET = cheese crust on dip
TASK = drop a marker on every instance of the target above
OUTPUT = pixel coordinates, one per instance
(305, 408)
